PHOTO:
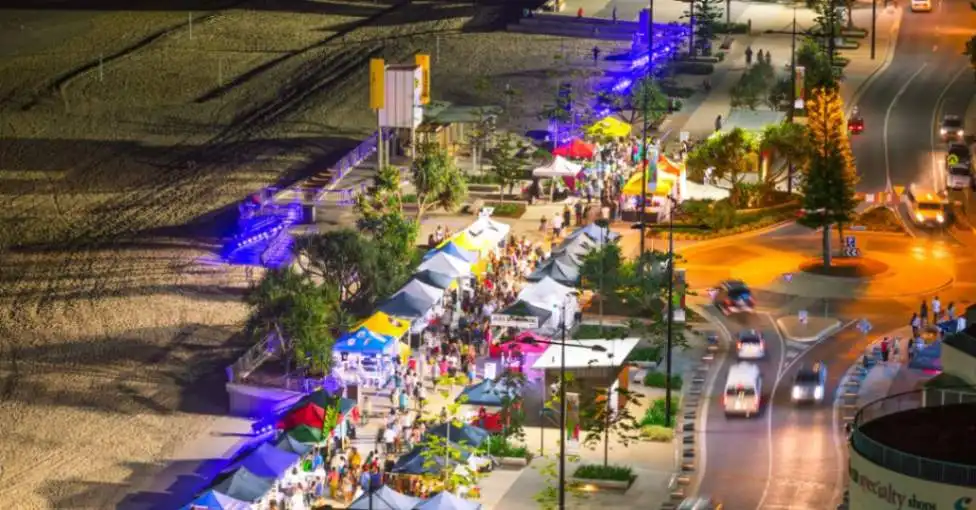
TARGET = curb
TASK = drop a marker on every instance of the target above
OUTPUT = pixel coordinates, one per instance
(839, 325)
(889, 56)
(732, 237)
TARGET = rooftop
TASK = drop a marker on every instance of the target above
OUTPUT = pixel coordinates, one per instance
(938, 433)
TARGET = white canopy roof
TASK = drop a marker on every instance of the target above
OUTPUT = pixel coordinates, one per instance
(579, 245)
(578, 354)
(560, 167)
(417, 288)
(545, 293)
(485, 227)
(446, 264)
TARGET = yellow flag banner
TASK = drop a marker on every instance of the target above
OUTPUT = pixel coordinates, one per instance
(377, 83)
(423, 61)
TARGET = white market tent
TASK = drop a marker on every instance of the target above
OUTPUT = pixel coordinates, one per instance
(617, 351)
(577, 247)
(419, 289)
(545, 293)
(704, 191)
(487, 228)
(446, 264)
(559, 167)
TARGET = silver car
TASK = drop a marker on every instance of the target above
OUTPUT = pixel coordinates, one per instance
(810, 384)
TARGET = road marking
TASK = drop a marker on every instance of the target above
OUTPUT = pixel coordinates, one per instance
(769, 408)
(884, 133)
(935, 118)
(709, 391)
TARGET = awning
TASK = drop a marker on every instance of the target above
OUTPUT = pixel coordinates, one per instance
(415, 463)
(545, 293)
(566, 274)
(446, 264)
(421, 290)
(441, 281)
(465, 434)
(578, 355)
(523, 309)
(593, 231)
(406, 305)
(559, 167)
(267, 461)
(382, 324)
(364, 341)
(448, 501)
(306, 434)
(485, 393)
(309, 415)
(610, 127)
(575, 149)
(452, 248)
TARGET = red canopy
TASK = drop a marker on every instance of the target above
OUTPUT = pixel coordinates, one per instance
(575, 149)
(520, 344)
(309, 415)
(492, 422)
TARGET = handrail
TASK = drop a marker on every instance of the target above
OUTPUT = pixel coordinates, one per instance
(906, 463)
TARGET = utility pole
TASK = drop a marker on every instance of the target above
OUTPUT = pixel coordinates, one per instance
(874, 25)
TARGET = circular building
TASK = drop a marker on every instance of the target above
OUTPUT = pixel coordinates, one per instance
(915, 450)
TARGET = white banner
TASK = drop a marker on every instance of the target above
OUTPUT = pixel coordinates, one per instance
(514, 321)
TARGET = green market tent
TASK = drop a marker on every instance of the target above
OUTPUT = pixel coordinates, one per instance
(306, 434)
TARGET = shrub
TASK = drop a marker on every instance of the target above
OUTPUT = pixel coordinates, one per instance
(675, 90)
(601, 472)
(695, 68)
(482, 179)
(657, 380)
(655, 414)
(657, 433)
(595, 331)
(879, 219)
(730, 28)
(508, 210)
(500, 447)
(720, 56)
(645, 354)
(721, 215)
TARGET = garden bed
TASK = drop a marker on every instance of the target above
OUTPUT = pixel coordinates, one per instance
(512, 210)
(611, 477)
(879, 219)
(597, 332)
(507, 454)
(856, 33)
(658, 380)
(745, 221)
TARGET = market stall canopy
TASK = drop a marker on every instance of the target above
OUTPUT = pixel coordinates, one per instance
(485, 227)
(566, 274)
(267, 461)
(465, 241)
(928, 357)
(580, 355)
(559, 167)
(705, 191)
(439, 280)
(306, 434)
(421, 290)
(667, 165)
(610, 127)
(446, 264)
(567, 258)
(290, 444)
(545, 292)
(211, 500)
(661, 187)
(595, 232)
(523, 309)
(414, 463)
(382, 324)
(325, 400)
(575, 149)
(465, 434)
(309, 415)
(244, 485)
(578, 247)
(364, 341)
(485, 393)
(447, 501)
(407, 305)
(454, 250)
(385, 498)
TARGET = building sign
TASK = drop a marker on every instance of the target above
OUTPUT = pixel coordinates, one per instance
(377, 83)
(873, 487)
(423, 62)
(799, 90)
(514, 321)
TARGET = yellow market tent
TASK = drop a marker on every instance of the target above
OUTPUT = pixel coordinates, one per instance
(382, 324)
(660, 188)
(610, 127)
(466, 242)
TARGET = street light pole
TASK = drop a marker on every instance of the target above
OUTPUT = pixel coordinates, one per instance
(643, 201)
(792, 106)
(562, 412)
(831, 42)
(667, 381)
(874, 25)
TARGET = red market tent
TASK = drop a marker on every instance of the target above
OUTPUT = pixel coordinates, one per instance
(575, 149)
(309, 415)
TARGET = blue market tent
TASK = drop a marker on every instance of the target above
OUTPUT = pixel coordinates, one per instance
(384, 498)
(465, 434)
(216, 501)
(266, 461)
(594, 232)
(448, 501)
(439, 280)
(244, 485)
(485, 393)
(414, 463)
(928, 357)
(364, 341)
(454, 250)
(406, 305)
(289, 444)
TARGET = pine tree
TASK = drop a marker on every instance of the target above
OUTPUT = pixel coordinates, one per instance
(828, 196)
(828, 128)
(704, 15)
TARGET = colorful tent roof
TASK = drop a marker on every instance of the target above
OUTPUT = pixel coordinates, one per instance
(452, 248)
(558, 167)
(575, 149)
(665, 164)
(446, 264)
(466, 241)
(594, 232)
(661, 187)
(439, 280)
(611, 127)
(211, 500)
(309, 415)
(324, 399)
(244, 485)
(447, 501)
(306, 434)
(267, 461)
(384, 498)
(485, 393)
(523, 309)
(290, 444)
(364, 341)
(382, 324)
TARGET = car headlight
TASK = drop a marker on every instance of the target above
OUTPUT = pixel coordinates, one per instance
(939, 218)
(797, 393)
(959, 133)
(919, 217)
(818, 393)
(943, 131)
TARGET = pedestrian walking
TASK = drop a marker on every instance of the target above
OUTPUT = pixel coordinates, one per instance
(596, 54)
(578, 210)
(885, 347)
(759, 57)
(951, 311)
(579, 13)
(936, 310)
(718, 123)
(613, 14)
(748, 55)
(916, 324)
(567, 215)
(923, 313)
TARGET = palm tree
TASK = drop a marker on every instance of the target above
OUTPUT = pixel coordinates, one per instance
(731, 155)
(789, 143)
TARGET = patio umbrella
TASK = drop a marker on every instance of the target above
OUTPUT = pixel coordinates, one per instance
(310, 415)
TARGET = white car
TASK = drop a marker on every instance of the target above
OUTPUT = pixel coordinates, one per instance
(750, 345)
(959, 177)
(921, 6)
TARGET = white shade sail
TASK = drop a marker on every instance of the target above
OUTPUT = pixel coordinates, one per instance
(559, 167)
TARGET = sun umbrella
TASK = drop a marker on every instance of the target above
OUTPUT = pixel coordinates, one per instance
(306, 434)
(308, 414)
(610, 127)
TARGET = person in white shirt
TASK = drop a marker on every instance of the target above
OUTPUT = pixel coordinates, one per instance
(936, 309)
(557, 225)
(389, 437)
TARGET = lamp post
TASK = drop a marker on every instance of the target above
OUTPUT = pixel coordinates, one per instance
(667, 383)
(874, 25)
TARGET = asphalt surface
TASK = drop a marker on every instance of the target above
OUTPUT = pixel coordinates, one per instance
(904, 105)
